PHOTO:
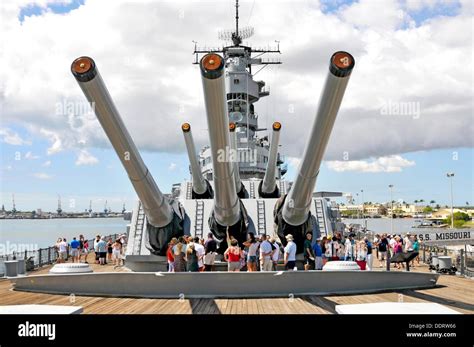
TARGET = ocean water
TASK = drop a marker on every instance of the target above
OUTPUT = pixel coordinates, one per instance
(31, 234)
(382, 225)
(41, 233)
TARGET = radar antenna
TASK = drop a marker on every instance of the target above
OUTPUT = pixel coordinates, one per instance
(238, 35)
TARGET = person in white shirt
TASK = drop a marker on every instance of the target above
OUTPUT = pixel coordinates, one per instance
(349, 248)
(266, 251)
(408, 243)
(332, 249)
(62, 250)
(200, 250)
(361, 251)
(275, 254)
(392, 244)
(290, 253)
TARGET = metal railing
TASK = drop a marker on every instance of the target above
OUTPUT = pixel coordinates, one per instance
(44, 256)
(462, 260)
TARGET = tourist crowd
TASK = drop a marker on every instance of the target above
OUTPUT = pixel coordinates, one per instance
(77, 250)
(262, 253)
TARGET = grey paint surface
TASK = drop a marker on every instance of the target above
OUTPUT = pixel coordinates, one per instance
(225, 284)
(269, 181)
(157, 209)
(226, 203)
(199, 184)
(298, 202)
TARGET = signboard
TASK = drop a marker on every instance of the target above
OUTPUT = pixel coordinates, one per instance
(447, 236)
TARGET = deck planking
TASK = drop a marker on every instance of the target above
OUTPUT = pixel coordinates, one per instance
(454, 292)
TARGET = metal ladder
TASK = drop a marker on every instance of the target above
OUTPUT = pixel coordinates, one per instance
(320, 216)
(189, 190)
(261, 225)
(198, 224)
(139, 225)
(252, 190)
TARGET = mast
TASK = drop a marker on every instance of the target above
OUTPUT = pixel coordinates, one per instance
(236, 39)
(13, 204)
(242, 91)
(59, 210)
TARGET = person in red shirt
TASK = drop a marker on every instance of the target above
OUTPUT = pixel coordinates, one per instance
(232, 255)
(170, 255)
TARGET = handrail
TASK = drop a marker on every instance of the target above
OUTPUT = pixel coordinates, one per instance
(44, 256)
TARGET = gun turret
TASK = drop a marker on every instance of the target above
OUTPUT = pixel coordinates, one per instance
(293, 211)
(228, 213)
(268, 187)
(201, 187)
(159, 211)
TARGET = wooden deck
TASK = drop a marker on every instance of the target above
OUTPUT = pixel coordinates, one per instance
(454, 292)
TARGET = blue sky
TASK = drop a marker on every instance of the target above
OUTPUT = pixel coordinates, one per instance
(36, 179)
(425, 180)
(59, 8)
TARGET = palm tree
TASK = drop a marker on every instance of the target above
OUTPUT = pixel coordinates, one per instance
(432, 202)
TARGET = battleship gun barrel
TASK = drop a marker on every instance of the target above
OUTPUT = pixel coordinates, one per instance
(298, 202)
(269, 181)
(226, 201)
(235, 161)
(157, 209)
(199, 183)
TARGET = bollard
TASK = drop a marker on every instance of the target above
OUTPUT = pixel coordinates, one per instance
(424, 254)
(11, 268)
(21, 267)
(462, 262)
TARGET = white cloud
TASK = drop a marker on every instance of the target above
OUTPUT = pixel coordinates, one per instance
(384, 15)
(293, 162)
(85, 158)
(55, 139)
(47, 163)
(172, 167)
(393, 163)
(42, 176)
(31, 156)
(12, 138)
(395, 61)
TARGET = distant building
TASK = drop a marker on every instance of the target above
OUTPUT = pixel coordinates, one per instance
(406, 210)
(444, 213)
(375, 210)
(345, 208)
